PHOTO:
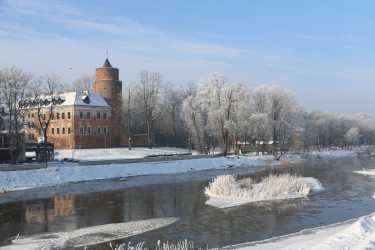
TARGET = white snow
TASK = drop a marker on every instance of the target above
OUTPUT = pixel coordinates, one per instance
(69, 172)
(330, 154)
(75, 98)
(64, 172)
(353, 234)
(225, 191)
(89, 235)
(365, 172)
(115, 153)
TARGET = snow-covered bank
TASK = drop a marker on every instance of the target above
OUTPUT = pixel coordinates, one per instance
(88, 236)
(67, 173)
(353, 234)
(63, 172)
(370, 172)
(225, 191)
(332, 154)
(114, 153)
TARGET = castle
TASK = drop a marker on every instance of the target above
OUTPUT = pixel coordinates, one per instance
(85, 119)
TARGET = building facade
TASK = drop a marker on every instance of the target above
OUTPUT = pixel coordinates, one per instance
(89, 119)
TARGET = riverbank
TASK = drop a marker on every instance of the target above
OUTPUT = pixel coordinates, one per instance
(94, 154)
(67, 172)
(352, 234)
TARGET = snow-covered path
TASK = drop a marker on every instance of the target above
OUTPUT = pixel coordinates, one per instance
(115, 153)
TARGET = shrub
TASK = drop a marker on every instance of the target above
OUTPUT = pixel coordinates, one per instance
(271, 187)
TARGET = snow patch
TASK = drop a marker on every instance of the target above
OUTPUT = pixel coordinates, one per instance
(354, 234)
(65, 172)
(330, 154)
(68, 172)
(90, 235)
(370, 172)
(225, 191)
(115, 153)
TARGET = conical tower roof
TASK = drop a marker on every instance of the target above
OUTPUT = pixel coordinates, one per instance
(107, 64)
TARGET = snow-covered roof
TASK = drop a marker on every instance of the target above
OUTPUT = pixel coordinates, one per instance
(83, 99)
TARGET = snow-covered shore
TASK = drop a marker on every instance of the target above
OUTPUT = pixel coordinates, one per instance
(68, 173)
(63, 173)
(353, 234)
(115, 153)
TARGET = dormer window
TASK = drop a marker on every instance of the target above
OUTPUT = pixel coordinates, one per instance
(86, 99)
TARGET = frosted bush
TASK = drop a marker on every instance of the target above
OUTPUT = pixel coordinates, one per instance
(271, 187)
(224, 185)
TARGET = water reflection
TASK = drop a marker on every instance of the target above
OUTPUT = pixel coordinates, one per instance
(201, 223)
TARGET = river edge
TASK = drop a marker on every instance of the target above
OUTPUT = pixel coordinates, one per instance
(121, 183)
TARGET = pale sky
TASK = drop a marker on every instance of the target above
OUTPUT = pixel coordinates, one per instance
(323, 51)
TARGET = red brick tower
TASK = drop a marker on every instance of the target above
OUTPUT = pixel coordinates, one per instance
(108, 85)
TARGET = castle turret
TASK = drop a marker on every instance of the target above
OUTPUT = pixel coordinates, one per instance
(108, 85)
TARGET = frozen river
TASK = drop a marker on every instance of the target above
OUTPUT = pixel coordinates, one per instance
(346, 196)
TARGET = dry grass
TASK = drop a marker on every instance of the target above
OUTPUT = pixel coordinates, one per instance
(271, 187)
(180, 245)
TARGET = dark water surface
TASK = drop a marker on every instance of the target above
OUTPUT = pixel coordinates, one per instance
(346, 196)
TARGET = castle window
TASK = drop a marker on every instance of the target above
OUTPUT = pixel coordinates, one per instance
(81, 115)
(68, 115)
(57, 116)
(98, 130)
(63, 130)
(88, 130)
(105, 115)
(88, 115)
(32, 115)
(81, 130)
(53, 130)
(58, 131)
(104, 130)
(98, 115)
(62, 115)
(85, 130)
(69, 131)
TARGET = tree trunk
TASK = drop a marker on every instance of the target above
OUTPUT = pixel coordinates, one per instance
(149, 140)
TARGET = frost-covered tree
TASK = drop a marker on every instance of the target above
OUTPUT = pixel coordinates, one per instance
(276, 115)
(212, 113)
(148, 93)
(352, 136)
(328, 130)
(82, 83)
(170, 129)
(193, 117)
(15, 85)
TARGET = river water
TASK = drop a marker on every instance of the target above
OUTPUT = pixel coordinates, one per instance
(346, 196)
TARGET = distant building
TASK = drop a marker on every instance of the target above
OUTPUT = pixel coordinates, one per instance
(85, 119)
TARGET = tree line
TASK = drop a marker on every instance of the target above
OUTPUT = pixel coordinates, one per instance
(211, 114)
(218, 114)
